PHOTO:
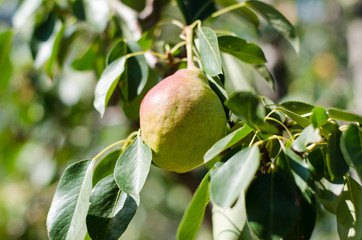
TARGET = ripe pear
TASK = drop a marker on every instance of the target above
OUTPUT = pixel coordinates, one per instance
(181, 118)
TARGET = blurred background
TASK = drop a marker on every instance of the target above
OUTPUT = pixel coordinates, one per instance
(47, 119)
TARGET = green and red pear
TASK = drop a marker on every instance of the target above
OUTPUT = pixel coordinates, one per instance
(181, 118)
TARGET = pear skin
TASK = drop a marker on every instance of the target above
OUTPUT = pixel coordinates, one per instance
(180, 119)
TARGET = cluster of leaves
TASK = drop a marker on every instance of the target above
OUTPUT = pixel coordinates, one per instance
(266, 176)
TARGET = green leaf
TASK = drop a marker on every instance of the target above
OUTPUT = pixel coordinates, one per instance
(78, 9)
(70, 34)
(135, 77)
(249, 108)
(349, 212)
(43, 39)
(192, 218)
(70, 203)
(305, 224)
(319, 117)
(234, 176)
(86, 62)
(343, 115)
(106, 166)
(276, 20)
(138, 5)
(227, 142)
(132, 168)
(336, 164)
(239, 48)
(110, 212)
(317, 160)
(96, 14)
(351, 146)
(297, 107)
(117, 51)
(209, 51)
(307, 136)
(193, 10)
(146, 40)
(243, 12)
(302, 121)
(273, 206)
(55, 52)
(132, 108)
(6, 67)
(300, 171)
(107, 84)
(264, 72)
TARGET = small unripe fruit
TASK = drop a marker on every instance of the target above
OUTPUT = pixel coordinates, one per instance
(181, 118)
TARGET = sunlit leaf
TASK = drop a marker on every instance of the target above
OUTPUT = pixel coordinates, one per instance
(343, 115)
(328, 194)
(209, 51)
(239, 48)
(194, 214)
(349, 211)
(351, 146)
(278, 202)
(319, 117)
(234, 176)
(132, 168)
(70, 203)
(276, 20)
(307, 136)
(107, 84)
(110, 212)
(229, 221)
(227, 142)
(146, 40)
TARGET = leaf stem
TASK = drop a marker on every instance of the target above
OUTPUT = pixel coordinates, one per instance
(252, 140)
(125, 143)
(160, 55)
(276, 120)
(96, 158)
(227, 9)
(189, 34)
(177, 46)
(189, 44)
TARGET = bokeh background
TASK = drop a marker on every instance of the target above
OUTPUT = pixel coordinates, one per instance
(47, 121)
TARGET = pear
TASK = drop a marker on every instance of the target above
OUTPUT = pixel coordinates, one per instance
(180, 119)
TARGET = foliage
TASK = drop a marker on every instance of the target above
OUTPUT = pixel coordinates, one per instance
(269, 173)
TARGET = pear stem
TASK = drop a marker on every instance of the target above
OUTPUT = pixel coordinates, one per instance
(189, 45)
